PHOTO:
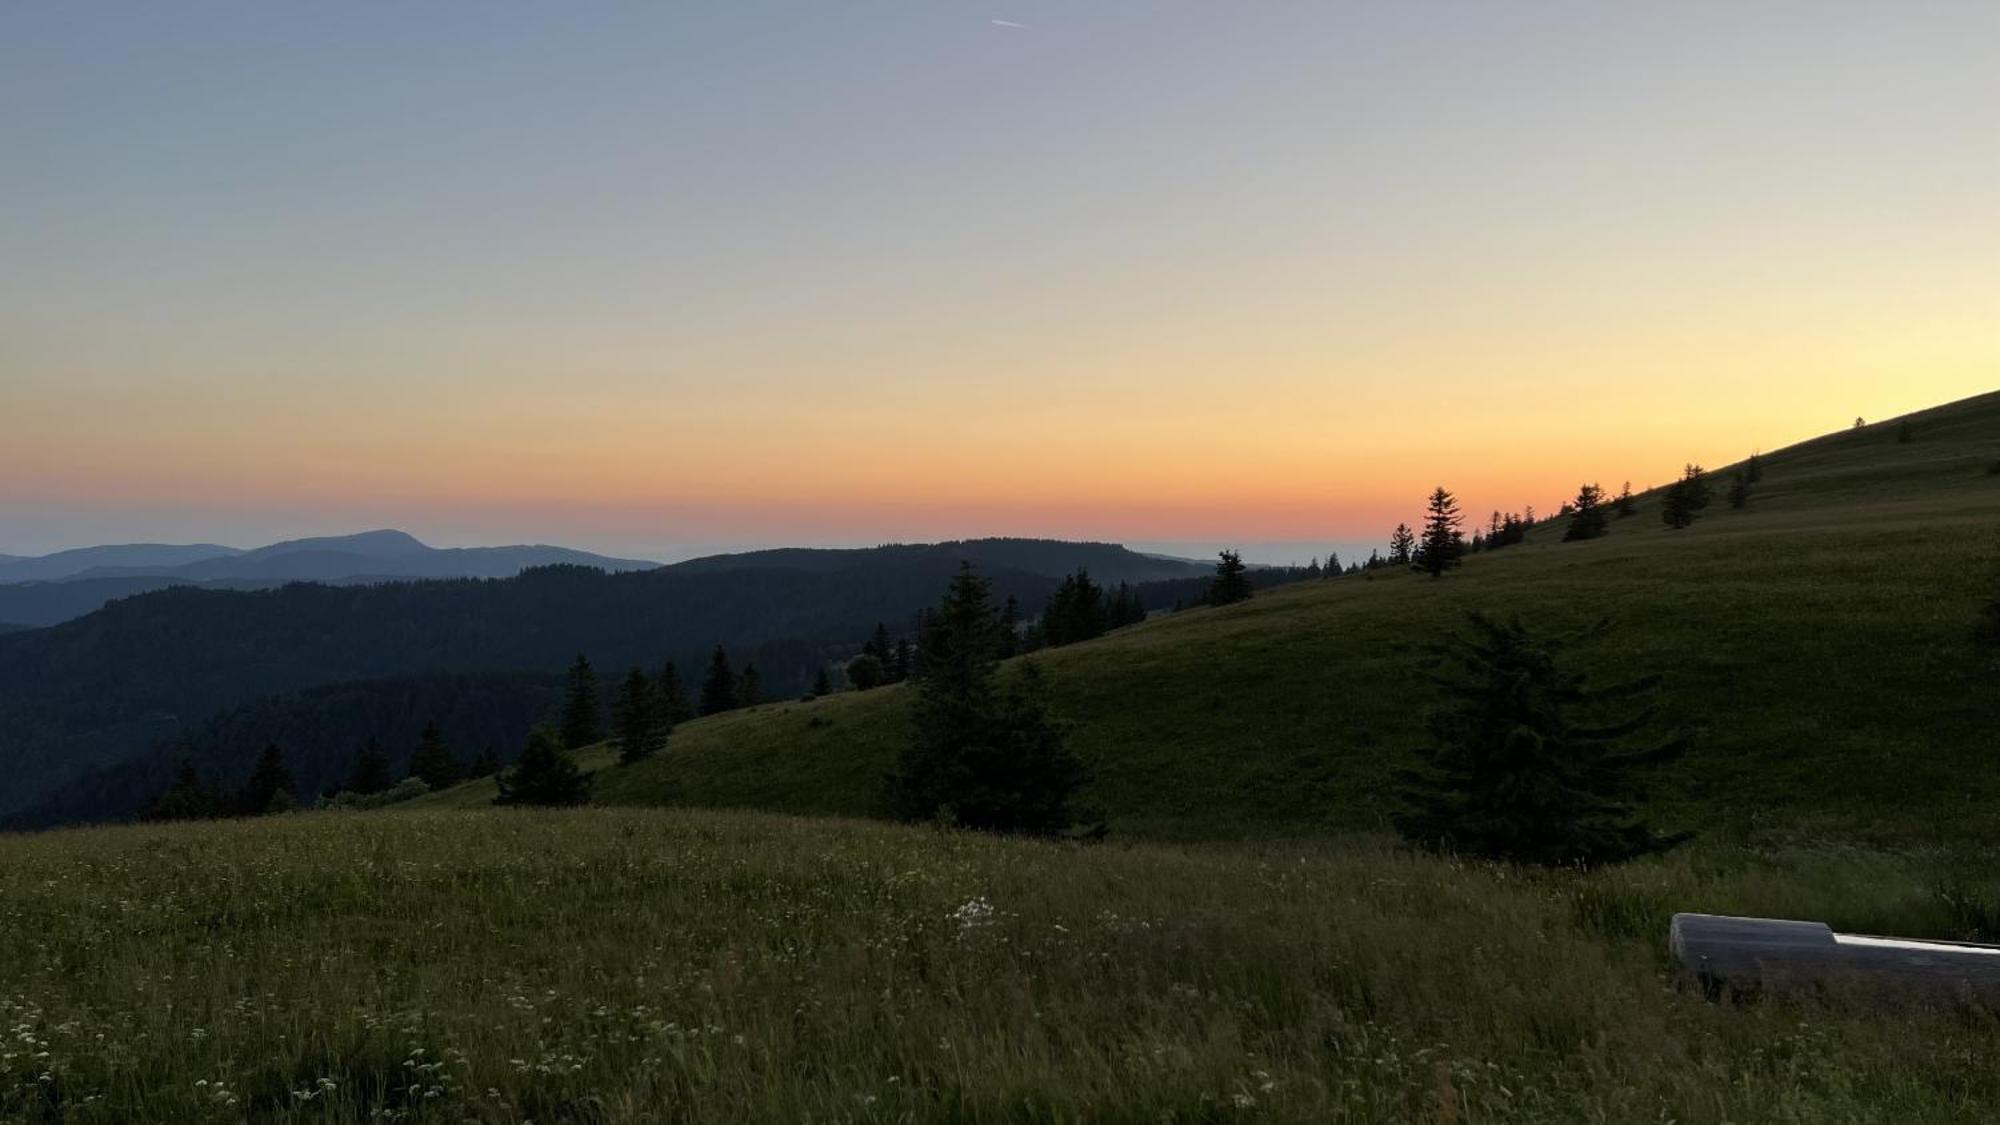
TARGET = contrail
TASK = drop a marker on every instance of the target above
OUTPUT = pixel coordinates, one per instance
(1009, 24)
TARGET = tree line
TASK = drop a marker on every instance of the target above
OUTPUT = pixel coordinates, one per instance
(1441, 543)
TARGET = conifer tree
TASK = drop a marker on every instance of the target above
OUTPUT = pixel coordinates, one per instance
(718, 691)
(1075, 612)
(1626, 506)
(1739, 490)
(878, 644)
(1333, 564)
(672, 697)
(902, 660)
(1231, 583)
(1402, 545)
(1528, 762)
(1753, 469)
(1126, 608)
(1443, 543)
(1586, 516)
(267, 780)
(546, 774)
(188, 798)
(982, 758)
(371, 770)
(433, 761)
(580, 722)
(822, 684)
(1685, 499)
(749, 687)
(636, 719)
(486, 764)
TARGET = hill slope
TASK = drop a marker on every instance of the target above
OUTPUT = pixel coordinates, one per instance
(117, 684)
(1819, 643)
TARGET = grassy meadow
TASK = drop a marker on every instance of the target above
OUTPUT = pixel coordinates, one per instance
(1818, 643)
(645, 965)
(1249, 945)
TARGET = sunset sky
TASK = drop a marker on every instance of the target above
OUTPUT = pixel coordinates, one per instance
(648, 278)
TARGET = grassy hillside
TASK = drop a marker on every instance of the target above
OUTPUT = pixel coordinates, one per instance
(649, 966)
(683, 965)
(1818, 641)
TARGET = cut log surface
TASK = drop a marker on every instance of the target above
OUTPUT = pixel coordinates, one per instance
(1773, 952)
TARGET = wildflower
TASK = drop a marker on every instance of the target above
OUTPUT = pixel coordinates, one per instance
(973, 914)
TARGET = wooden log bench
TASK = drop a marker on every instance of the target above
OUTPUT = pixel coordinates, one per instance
(1746, 955)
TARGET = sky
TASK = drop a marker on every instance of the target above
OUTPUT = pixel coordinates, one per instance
(657, 278)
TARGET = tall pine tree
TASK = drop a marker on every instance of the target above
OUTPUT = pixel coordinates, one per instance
(1402, 545)
(1586, 515)
(1739, 490)
(636, 719)
(1530, 763)
(371, 770)
(433, 761)
(581, 706)
(1685, 499)
(981, 758)
(718, 691)
(188, 798)
(672, 697)
(269, 788)
(1075, 612)
(1231, 583)
(1443, 543)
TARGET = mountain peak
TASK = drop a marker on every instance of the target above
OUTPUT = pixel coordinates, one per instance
(383, 541)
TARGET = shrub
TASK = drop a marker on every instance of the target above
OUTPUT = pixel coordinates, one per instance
(546, 774)
(407, 789)
(865, 672)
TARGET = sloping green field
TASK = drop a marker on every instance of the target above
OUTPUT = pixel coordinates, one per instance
(689, 965)
(1819, 642)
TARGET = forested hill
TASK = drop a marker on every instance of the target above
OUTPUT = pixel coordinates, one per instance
(118, 683)
(1051, 558)
(320, 729)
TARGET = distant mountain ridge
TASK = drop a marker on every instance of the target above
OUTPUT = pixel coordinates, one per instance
(56, 588)
(1050, 558)
(78, 560)
(113, 685)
